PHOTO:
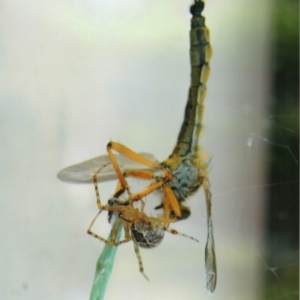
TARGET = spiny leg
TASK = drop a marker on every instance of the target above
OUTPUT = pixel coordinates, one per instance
(89, 231)
(142, 205)
(127, 234)
(97, 192)
(121, 186)
(171, 230)
(106, 207)
(96, 186)
(138, 255)
(114, 231)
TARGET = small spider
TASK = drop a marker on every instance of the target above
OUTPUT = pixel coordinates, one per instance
(144, 231)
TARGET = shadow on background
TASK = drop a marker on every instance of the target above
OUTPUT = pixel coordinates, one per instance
(282, 219)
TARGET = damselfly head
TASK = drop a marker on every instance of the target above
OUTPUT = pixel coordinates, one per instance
(197, 8)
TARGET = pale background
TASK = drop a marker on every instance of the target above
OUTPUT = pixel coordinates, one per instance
(76, 74)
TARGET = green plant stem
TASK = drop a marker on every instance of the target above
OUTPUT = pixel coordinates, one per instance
(104, 266)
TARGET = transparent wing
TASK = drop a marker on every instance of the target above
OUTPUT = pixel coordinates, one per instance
(84, 171)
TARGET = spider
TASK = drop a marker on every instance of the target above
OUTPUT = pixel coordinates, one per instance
(144, 231)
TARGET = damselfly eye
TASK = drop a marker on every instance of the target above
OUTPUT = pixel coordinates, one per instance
(197, 8)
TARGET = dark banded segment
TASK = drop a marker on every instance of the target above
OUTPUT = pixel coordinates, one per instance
(200, 54)
(197, 8)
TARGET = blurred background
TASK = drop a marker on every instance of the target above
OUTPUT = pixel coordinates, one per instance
(76, 74)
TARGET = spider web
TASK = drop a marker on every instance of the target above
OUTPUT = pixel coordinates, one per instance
(76, 74)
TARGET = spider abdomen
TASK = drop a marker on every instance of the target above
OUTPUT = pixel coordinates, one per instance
(146, 235)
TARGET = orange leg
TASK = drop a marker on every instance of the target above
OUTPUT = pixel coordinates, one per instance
(131, 155)
(122, 180)
(147, 191)
(170, 198)
(167, 176)
(166, 208)
(142, 174)
(119, 190)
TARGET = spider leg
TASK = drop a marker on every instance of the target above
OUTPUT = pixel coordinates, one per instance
(97, 192)
(138, 255)
(114, 231)
(89, 231)
(96, 186)
(119, 189)
(171, 230)
(107, 207)
(127, 234)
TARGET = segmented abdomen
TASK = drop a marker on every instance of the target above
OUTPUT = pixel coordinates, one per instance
(200, 54)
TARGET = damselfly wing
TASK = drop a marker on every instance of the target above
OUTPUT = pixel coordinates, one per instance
(83, 172)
